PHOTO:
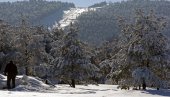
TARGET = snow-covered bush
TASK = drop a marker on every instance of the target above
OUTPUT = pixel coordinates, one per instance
(41, 70)
(144, 74)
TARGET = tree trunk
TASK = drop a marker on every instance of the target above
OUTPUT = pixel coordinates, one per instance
(144, 84)
(72, 77)
(26, 71)
(139, 87)
(73, 83)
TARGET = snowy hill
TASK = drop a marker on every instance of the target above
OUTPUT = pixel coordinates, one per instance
(71, 16)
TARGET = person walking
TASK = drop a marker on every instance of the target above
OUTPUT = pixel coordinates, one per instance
(11, 72)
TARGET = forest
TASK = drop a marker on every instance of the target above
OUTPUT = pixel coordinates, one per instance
(37, 12)
(101, 25)
(126, 43)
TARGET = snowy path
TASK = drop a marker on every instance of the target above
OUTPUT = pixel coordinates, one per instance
(71, 15)
(89, 91)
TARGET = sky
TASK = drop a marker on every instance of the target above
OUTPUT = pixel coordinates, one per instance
(78, 3)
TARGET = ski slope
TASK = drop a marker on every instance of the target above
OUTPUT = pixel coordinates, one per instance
(71, 15)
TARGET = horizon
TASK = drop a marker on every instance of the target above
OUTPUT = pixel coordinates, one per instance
(83, 3)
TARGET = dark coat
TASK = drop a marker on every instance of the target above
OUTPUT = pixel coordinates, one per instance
(11, 69)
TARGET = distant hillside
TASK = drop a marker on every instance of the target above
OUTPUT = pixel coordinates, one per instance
(100, 25)
(35, 11)
(101, 4)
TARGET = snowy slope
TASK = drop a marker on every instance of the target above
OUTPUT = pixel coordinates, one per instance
(71, 15)
(27, 83)
(88, 91)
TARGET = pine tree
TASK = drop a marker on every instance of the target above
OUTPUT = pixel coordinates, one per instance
(56, 36)
(143, 50)
(74, 65)
(25, 40)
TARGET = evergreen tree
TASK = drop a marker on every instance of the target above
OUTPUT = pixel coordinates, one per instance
(143, 50)
(74, 65)
(56, 36)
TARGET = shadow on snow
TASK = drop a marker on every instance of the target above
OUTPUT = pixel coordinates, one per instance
(165, 93)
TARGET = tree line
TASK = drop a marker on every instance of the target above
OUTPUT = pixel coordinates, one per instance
(101, 25)
(35, 11)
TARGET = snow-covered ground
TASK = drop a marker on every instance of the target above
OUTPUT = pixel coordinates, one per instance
(88, 91)
(35, 87)
(71, 15)
(27, 83)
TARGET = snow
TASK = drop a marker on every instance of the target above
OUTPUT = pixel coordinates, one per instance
(88, 91)
(71, 16)
(27, 83)
(2, 76)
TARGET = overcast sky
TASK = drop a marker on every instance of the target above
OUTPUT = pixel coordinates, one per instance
(79, 3)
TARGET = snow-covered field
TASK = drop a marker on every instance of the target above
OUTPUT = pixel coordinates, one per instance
(88, 91)
(35, 87)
